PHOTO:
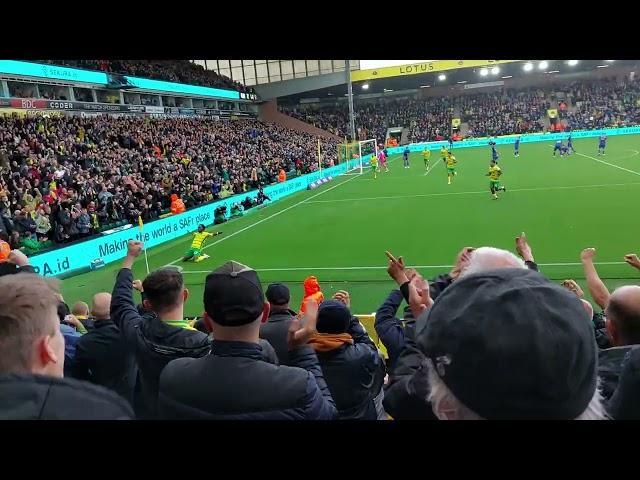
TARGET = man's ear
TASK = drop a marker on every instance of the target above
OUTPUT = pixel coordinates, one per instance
(185, 295)
(266, 308)
(208, 322)
(147, 305)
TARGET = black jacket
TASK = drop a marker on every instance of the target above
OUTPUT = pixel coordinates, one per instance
(153, 342)
(609, 368)
(102, 358)
(275, 332)
(354, 374)
(405, 397)
(36, 397)
(625, 402)
(235, 383)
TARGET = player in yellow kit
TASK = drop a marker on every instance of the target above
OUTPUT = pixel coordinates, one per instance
(195, 252)
(426, 154)
(451, 166)
(374, 165)
(494, 179)
(444, 153)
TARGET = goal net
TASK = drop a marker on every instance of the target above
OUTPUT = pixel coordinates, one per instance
(361, 151)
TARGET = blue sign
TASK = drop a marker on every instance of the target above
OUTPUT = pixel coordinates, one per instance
(14, 67)
(160, 85)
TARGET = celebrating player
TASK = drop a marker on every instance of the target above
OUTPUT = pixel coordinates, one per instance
(602, 143)
(557, 147)
(374, 165)
(382, 160)
(516, 147)
(426, 154)
(405, 157)
(494, 179)
(195, 252)
(451, 166)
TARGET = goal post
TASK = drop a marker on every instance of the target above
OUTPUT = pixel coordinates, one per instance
(362, 151)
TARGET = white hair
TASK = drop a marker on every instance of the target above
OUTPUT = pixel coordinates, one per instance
(488, 258)
(446, 406)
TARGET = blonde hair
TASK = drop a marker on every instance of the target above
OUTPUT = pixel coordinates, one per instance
(29, 302)
(446, 405)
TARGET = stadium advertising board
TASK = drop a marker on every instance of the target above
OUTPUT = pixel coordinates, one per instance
(417, 68)
(113, 247)
(53, 72)
(510, 139)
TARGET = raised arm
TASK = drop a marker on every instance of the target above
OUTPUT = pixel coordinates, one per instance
(123, 309)
(597, 288)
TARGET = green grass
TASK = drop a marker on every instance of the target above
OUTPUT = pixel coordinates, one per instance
(563, 205)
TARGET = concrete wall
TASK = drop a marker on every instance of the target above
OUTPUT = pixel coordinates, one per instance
(268, 112)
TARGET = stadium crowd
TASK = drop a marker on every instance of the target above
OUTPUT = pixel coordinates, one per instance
(65, 178)
(491, 339)
(590, 104)
(180, 71)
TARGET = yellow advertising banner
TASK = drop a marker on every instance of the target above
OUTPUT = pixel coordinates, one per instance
(417, 68)
(455, 122)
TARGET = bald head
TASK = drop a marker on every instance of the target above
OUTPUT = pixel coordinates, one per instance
(489, 258)
(623, 315)
(101, 306)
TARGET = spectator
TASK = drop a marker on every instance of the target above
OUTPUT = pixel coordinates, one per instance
(234, 382)
(80, 310)
(275, 329)
(352, 367)
(408, 388)
(509, 344)
(32, 362)
(101, 355)
(157, 339)
(16, 262)
(624, 403)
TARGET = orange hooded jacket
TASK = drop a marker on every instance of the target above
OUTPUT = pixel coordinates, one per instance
(311, 290)
(282, 176)
(177, 205)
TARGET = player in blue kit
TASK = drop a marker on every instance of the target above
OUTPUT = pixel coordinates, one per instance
(557, 147)
(602, 143)
(494, 152)
(516, 148)
(405, 157)
(570, 144)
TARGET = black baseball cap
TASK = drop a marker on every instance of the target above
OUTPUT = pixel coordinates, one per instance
(333, 317)
(510, 344)
(278, 294)
(233, 295)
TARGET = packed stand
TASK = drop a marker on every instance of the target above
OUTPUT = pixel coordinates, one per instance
(65, 178)
(426, 119)
(581, 105)
(504, 113)
(179, 71)
(491, 339)
(603, 104)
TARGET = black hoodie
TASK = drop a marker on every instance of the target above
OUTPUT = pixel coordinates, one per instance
(36, 397)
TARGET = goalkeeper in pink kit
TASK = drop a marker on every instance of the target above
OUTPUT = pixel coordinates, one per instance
(382, 160)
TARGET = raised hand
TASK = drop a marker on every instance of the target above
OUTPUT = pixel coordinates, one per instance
(588, 254)
(298, 336)
(523, 248)
(419, 297)
(633, 260)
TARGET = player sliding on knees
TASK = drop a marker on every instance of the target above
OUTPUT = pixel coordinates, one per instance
(494, 179)
(195, 252)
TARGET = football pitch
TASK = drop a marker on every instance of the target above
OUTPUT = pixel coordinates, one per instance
(339, 231)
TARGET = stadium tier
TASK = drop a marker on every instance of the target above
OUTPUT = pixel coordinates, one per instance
(464, 255)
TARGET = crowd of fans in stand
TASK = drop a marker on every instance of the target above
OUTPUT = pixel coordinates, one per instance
(180, 71)
(64, 178)
(491, 339)
(596, 104)
(424, 118)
